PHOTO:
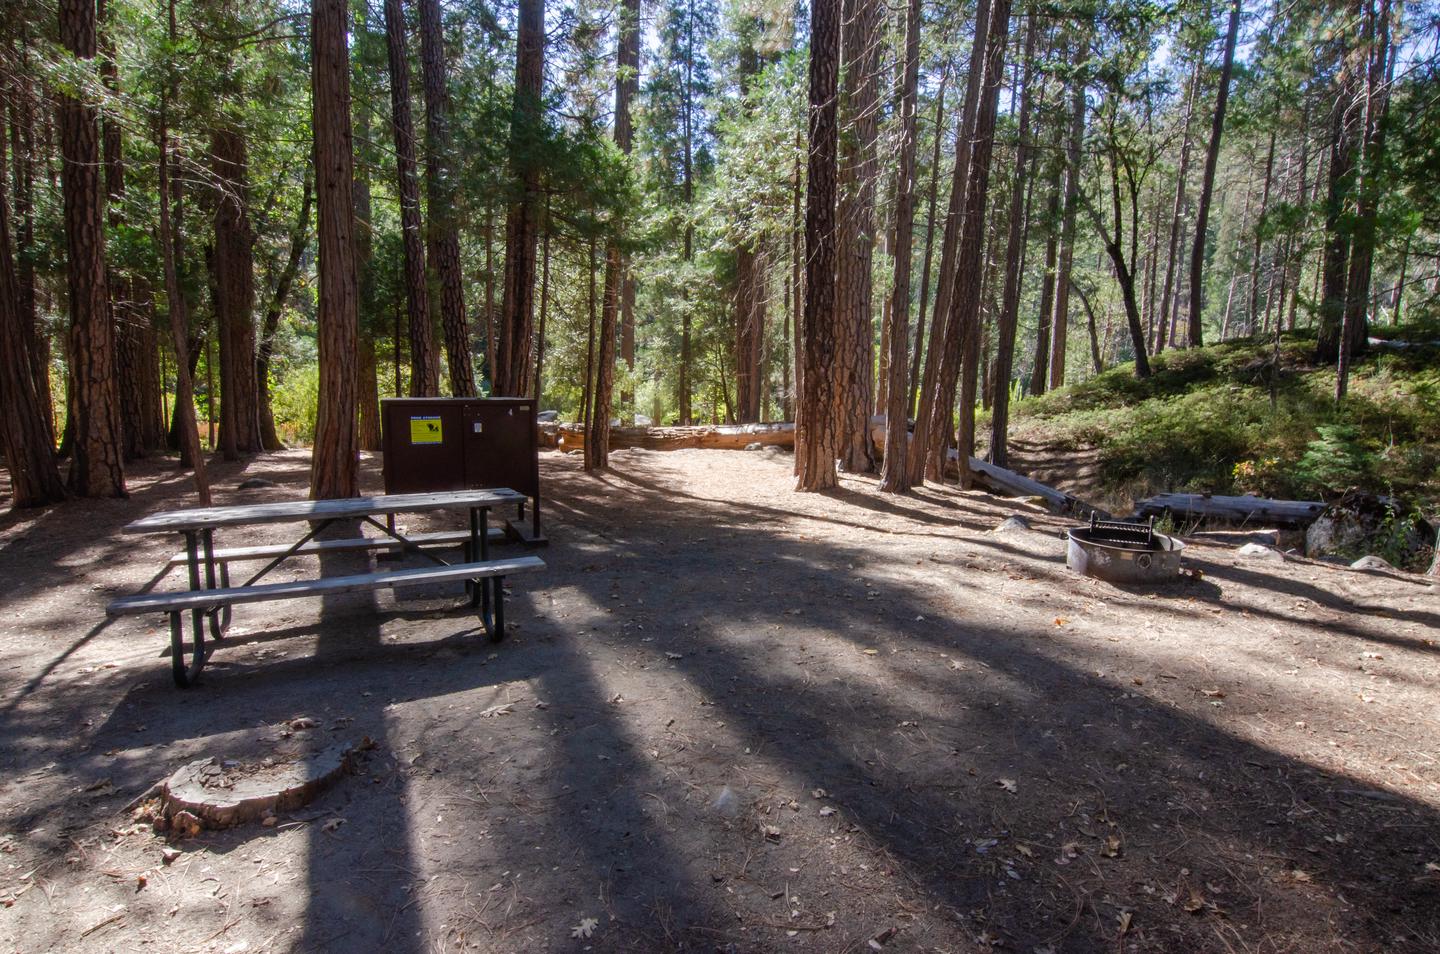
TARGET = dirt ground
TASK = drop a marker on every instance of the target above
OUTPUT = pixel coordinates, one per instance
(732, 718)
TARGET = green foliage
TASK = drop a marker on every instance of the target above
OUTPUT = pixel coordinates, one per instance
(295, 402)
(1205, 422)
(1336, 460)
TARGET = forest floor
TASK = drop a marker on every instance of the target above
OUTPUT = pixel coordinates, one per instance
(733, 718)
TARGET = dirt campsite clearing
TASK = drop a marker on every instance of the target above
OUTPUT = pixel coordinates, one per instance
(729, 717)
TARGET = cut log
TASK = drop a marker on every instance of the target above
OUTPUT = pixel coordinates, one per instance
(741, 436)
(1287, 513)
(211, 793)
(718, 437)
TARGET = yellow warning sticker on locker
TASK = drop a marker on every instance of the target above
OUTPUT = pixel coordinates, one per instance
(426, 430)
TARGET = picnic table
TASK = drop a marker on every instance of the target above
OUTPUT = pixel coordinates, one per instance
(210, 596)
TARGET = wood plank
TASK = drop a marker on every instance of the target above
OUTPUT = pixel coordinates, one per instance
(349, 544)
(265, 592)
(294, 511)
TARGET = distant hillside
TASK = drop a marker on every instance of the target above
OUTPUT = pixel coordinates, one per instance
(1220, 419)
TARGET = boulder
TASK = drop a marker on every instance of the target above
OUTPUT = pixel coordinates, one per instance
(1372, 562)
(1258, 551)
(1012, 523)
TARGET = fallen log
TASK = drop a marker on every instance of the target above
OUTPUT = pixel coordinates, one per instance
(1008, 482)
(571, 437)
(715, 437)
(1290, 513)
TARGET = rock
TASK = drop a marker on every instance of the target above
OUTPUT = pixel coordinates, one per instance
(756, 446)
(1258, 551)
(1235, 538)
(256, 483)
(1372, 562)
(1012, 523)
(774, 450)
(1334, 531)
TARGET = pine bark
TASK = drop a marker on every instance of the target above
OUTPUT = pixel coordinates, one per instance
(1207, 183)
(617, 263)
(136, 363)
(443, 237)
(97, 468)
(749, 331)
(186, 427)
(333, 469)
(816, 437)
(937, 347)
(918, 351)
(24, 432)
(895, 472)
(1177, 216)
(1355, 328)
(522, 221)
(24, 158)
(1040, 372)
(855, 231)
(424, 359)
(965, 321)
(1070, 215)
(234, 265)
(1017, 234)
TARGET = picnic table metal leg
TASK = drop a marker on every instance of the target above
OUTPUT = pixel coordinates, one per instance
(219, 618)
(472, 553)
(484, 585)
(187, 671)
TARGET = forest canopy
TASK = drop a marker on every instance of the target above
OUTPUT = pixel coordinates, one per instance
(236, 225)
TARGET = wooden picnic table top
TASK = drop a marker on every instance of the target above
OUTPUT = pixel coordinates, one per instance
(294, 511)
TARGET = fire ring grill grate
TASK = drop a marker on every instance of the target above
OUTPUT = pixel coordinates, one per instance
(1123, 552)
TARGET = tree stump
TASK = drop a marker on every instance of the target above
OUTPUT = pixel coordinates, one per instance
(212, 793)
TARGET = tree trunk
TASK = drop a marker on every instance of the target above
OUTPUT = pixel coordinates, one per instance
(24, 434)
(141, 422)
(1172, 247)
(749, 330)
(1040, 373)
(22, 132)
(96, 469)
(817, 438)
(367, 383)
(617, 262)
(965, 317)
(269, 439)
(1070, 215)
(936, 349)
(895, 473)
(517, 303)
(544, 308)
(234, 267)
(1018, 232)
(443, 239)
(855, 228)
(424, 361)
(1355, 327)
(187, 428)
(1207, 183)
(333, 469)
(1095, 353)
(1258, 246)
(914, 383)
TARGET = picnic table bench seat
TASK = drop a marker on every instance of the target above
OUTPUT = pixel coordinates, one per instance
(174, 604)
